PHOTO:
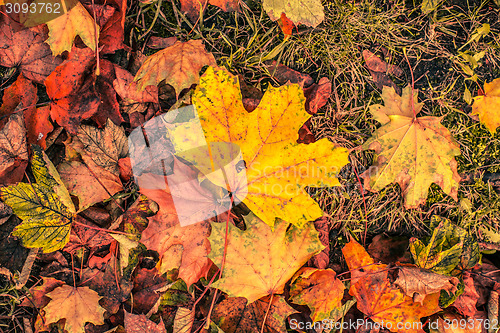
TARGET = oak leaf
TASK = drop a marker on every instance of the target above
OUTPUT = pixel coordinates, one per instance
(320, 290)
(259, 261)
(414, 152)
(308, 12)
(45, 206)
(378, 299)
(76, 22)
(277, 167)
(77, 305)
(13, 150)
(487, 106)
(179, 65)
(27, 50)
(234, 315)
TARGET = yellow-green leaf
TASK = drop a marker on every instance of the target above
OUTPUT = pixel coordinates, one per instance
(414, 152)
(43, 206)
(450, 250)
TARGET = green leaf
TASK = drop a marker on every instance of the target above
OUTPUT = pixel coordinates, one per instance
(45, 207)
(449, 251)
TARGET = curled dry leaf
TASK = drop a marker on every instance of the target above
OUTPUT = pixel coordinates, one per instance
(179, 65)
(418, 283)
(414, 152)
(259, 261)
(378, 299)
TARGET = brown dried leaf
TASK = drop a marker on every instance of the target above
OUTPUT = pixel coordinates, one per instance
(417, 282)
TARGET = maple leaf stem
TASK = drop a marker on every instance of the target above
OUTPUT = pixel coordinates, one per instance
(267, 312)
(97, 71)
(101, 229)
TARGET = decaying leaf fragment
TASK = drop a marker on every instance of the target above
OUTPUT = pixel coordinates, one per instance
(487, 106)
(259, 261)
(379, 299)
(234, 314)
(45, 206)
(414, 152)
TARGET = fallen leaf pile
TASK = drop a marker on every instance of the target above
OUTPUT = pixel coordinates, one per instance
(167, 194)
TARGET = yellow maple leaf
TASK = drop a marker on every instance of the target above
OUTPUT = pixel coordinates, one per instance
(487, 106)
(77, 305)
(64, 29)
(260, 261)
(179, 65)
(414, 152)
(379, 299)
(277, 167)
(45, 206)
